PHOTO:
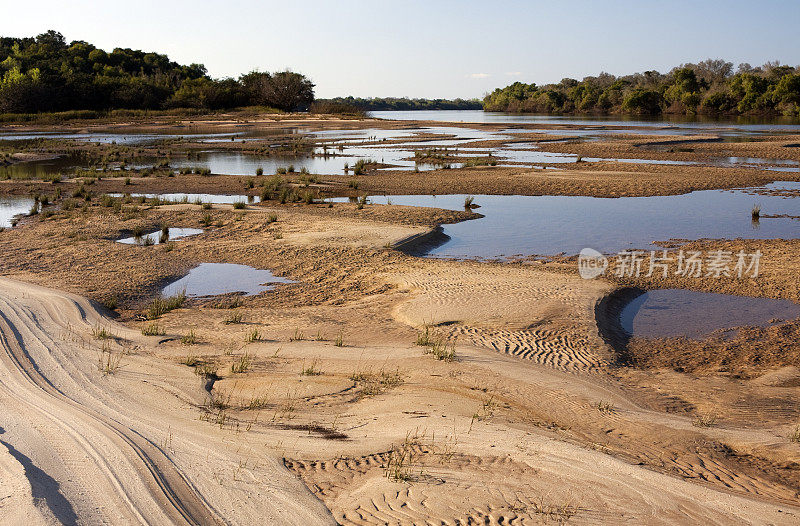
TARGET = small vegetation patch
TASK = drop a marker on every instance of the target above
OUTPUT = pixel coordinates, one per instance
(312, 369)
(190, 338)
(604, 406)
(372, 384)
(108, 362)
(233, 318)
(101, 333)
(707, 420)
(160, 306)
(153, 329)
(252, 336)
(242, 364)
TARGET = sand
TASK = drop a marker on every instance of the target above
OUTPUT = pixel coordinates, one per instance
(331, 412)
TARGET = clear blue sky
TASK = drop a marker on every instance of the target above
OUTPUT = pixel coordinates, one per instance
(431, 48)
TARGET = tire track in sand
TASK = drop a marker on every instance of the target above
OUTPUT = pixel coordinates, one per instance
(29, 386)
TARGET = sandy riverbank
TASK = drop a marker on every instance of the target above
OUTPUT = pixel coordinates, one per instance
(315, 404)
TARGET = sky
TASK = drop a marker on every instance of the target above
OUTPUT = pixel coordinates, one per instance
(431, 48)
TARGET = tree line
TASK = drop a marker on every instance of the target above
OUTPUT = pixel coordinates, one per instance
(46, 74)
(708, 87)
(404, 103)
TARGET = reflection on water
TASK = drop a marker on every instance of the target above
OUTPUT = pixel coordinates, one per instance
(12, 206)
(41, 169)
(129, 139)
(478, 116)
(160, 236)
(549, 225)
(676, 312)
(345, 147)
(198, 198)
(211, 279)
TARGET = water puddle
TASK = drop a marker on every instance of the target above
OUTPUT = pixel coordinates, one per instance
(13, 206)
(161, 236)
(196, 199)
(40, 169)
(211, 279)
(549, 225)
(670, 313)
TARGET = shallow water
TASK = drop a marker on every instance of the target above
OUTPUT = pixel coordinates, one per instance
(550, 225)
(132, 138)
(196, 198)
(211, 279)
(40, 169)
(154, 238)
(345, 147)
(234, 163)
(479, 116)
(12, 206)
(675, 312)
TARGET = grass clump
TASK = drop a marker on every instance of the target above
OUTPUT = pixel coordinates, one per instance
(755, 213)
(438, 346)
(704, 421)
(111, 303)
(109, 362)
(101, 333)
(794, 435)
(252, 336)
(239, 205)
(191, 360)
(234, 318)
(153, 329)
(160, 306)
(604, 406)
(372, 384)
(206, 370)
(441, 350)
(311, 370)
(360, 167)
(242, 365)
(190, 338)
(424, 337)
